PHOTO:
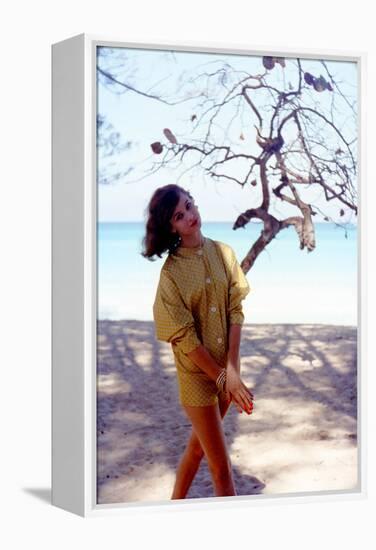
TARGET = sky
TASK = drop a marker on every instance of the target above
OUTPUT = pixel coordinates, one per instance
(141, 121)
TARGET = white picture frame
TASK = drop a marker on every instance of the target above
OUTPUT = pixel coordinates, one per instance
(74, 284)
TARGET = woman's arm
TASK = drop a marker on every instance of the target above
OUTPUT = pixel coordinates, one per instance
(233, 357)
(202, 358)
(241, 395)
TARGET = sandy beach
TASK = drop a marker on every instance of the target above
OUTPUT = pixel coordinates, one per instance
(302, 436)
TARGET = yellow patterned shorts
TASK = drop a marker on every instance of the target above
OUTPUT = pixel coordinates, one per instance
(196, 389)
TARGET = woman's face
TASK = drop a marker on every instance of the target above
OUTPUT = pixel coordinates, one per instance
(186, 219)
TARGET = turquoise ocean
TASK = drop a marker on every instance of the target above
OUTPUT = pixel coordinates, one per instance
(288, 285)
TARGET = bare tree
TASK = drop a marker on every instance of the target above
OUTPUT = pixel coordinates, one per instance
(116, 72)
(287, 132)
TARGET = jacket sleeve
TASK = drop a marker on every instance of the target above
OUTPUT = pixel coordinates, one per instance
(238, 290)
(174, 322)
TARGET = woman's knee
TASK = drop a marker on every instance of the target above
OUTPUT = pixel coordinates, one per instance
(207, 437)
(195, 448)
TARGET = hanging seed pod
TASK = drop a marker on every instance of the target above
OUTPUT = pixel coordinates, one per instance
(157, 147)
(268, 62)
(170, 136)
(281, 61)
(308, 78)
(320, 84)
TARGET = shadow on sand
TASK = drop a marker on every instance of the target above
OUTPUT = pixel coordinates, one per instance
(142, 430)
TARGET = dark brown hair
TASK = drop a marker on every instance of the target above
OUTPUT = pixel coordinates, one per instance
(159, 238)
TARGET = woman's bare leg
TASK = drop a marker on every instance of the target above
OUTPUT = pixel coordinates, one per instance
(188, 466)
(207, 424)
(192, 457)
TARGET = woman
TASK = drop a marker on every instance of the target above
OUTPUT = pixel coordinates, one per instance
(198, 310)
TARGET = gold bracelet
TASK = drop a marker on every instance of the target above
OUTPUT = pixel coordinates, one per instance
(221, 380)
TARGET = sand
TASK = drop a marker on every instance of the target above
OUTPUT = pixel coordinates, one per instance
(301, 437)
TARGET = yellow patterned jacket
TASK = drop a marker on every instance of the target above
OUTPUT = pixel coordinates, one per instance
(199, 295)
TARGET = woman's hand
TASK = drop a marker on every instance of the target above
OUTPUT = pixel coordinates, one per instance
(241, 395)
